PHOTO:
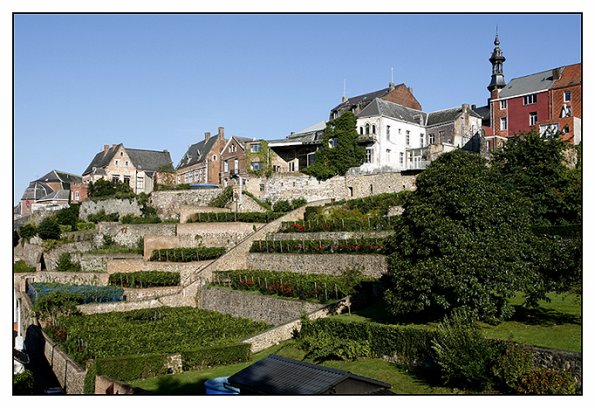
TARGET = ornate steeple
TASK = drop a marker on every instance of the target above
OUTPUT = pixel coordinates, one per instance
(497, 60)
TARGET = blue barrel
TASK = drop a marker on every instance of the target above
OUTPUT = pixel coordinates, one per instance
(219, 386)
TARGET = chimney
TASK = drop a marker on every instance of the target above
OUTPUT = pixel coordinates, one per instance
(114, 146)
(391, 85)
(207, 136)
(343, 99)
(220, 133)
(105, 148)
(473, 107)
(556, 73)
(465, 107)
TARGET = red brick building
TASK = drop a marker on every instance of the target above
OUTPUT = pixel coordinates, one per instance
(548, 101)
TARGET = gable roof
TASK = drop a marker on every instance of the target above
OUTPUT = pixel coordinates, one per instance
(276, 375)
(197, 153)
(149, 160)
(355, 100)
(380, 107)
(310, 135)
(540, 81)
(102, 159)
(60, 176)
(56, 195)
(447, 116)
(36, 190)
(483, 112)
(570, 75)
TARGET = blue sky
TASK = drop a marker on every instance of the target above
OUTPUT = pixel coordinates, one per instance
(160, 81)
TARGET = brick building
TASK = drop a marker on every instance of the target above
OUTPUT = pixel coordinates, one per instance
(549, 101)
(50, 191)
(201, 162)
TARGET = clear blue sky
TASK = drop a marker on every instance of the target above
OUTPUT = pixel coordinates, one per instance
(160, 81)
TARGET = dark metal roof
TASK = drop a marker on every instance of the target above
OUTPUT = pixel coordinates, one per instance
(483, 112)
(276, 375)
(149, 160)
(60, 176)
(355, 100)
(393, 110)
(36, 190)
(197, 153)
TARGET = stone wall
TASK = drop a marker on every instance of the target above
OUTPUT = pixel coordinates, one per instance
(169, 203)
(120, 206)
(136, 295)
(251, 305)
(330, 264)
(69, 278)
(30, 253)
(560, 360)
(51, 257)
(134, 265)
(298, 236)
(108, 386)
(130, 234)
(95, 308)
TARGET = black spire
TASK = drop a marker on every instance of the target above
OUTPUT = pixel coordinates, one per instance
(497, 60)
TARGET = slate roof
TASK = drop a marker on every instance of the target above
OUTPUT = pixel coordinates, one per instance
(447, 115)
(483, 112)
(101, 159)
(528, 84)
(393, 110)
(60, 176)
(310, 135)
(56, 195)
(197, 153)
(276, 375)
(570, 75)
(36, 190)
(146, 160)
(355, 100)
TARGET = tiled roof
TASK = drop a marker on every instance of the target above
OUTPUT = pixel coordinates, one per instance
(276, 375)
(393, 110)
(197, 152)
(528, 84)
(570, 75)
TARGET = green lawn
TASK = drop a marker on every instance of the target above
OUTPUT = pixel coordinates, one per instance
(192, 382)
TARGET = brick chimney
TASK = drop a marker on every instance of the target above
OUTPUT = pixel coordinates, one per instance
(105, 148)
(220, 133)
(556, 74)
(391, 86)
(207, 136)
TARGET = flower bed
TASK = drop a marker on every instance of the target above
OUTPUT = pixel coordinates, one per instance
(321, 246)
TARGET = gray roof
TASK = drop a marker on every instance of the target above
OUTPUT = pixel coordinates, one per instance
(276, 375)
(101, 159)
(393, 110)
(149, 160)
(197, 153)
(36, 190)
(355, 100)
(540, 81)
(311, 135)
(56, 195)
(447, 116)
(60, 176)
(483, 112)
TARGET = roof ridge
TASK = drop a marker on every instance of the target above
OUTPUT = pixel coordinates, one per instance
(398, 104)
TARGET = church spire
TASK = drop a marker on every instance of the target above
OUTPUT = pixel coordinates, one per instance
(497, 59)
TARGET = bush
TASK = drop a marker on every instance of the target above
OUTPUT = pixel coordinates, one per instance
(49, 229)
(145, 279)
(187, 254)
(222, 199)
(135, 219)
(544, 381)
(321, 246)
(107, 241)
(285, 206)
(85, 226)
(21, 266)
(65, 263)
(23, 383)
(510, 366)
(89, 385)
(324, 346)
(101, 216)
(68, 216)
(27, 231)
(464, 356)
(215, 356)
(128, 368)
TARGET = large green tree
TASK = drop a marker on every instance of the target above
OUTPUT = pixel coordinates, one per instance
(340, 150)
(466, 241)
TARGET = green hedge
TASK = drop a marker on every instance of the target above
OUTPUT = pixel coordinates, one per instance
(137, 219)
(413, 345)
(364, 223)
(89, 384)
(214, 356)
(145, 279)
(187, 254)
(257, 217)
(128, 368)
(321, 246)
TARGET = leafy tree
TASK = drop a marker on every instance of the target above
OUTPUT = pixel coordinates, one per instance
(463, 242)
(57, 303)
(350, 280)
(101, 188)
(49, 229)
(68, 216)
(340, 150)
(65, 263)
(546, 170)
(27, 231)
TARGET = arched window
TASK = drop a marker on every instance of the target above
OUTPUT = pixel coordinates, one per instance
(361, 130)
(367, 128)
(373, 129)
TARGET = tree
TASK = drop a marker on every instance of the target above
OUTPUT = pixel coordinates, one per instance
(68, 216)
(101, 188)
(49, 229)
(463, 242)
(57, 303)
(340, 150)
(27, 231)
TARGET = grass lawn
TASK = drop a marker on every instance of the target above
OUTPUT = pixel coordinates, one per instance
(192, 382)
(555, 324)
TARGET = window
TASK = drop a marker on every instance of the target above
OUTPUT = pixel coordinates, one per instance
(140, 183)
(196, 176)
(126, 163)
(421, 140)
(407, 138)
(77, 195)
(504, 123)
(373, 129)
(369, 155)
(310, 158)
(127, 180)
(255, 148)
(361, 130)
(232, 148)
(566, 111)
(401, 158)
(399, 130)
(236, 165)
(431, 138)
(121, 154)
(261, 187)
(226, 166)
(387, 132)
(115, 178)
(503, 104)
(367, 128)
(532, 118)
(255, 166)
(117, 162)
(292, 167)
(567, 96)
(529, 99)
(388, 155)
(214, 157)
(441, 136)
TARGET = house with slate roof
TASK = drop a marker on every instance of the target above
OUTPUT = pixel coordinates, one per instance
(297, 150)
(201, 164)
(49, 192)
(135, 167)
(234, 158)
(276, 375)
(400, 94)
(549, 101)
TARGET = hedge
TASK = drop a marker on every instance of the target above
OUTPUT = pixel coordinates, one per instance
(87, 293)
(321, 246)
(187, 254)
(214, 356)
(256, 217)
(144, 279)
(365, 223)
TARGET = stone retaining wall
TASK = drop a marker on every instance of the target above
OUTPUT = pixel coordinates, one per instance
(328, 235)
(330, 264)
(254, 306)
(169, 203)
(135, 265)
(130, 234)
(120, 206)
(560, 360)
(188, 210)
(68, 278)
(136, 294)
(95, 308)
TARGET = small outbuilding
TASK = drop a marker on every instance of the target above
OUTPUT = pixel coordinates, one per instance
(276, 375)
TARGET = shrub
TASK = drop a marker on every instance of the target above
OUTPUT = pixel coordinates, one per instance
(145, 279)
(65, 263)
(256, 217)
(101, 216)
(324, 346)
(68, 216)
(21, 266)
(89, 385)
(23, 383)
(321, 246)
(128, 368)
(214, 356)
(27, 231)
(464, 356)
(511, 365)
(49, 229)
(187, 254)
(543, 381)
(135, 219)
(222, 199)
(85, 226)
(267, 206)
(107, 241)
